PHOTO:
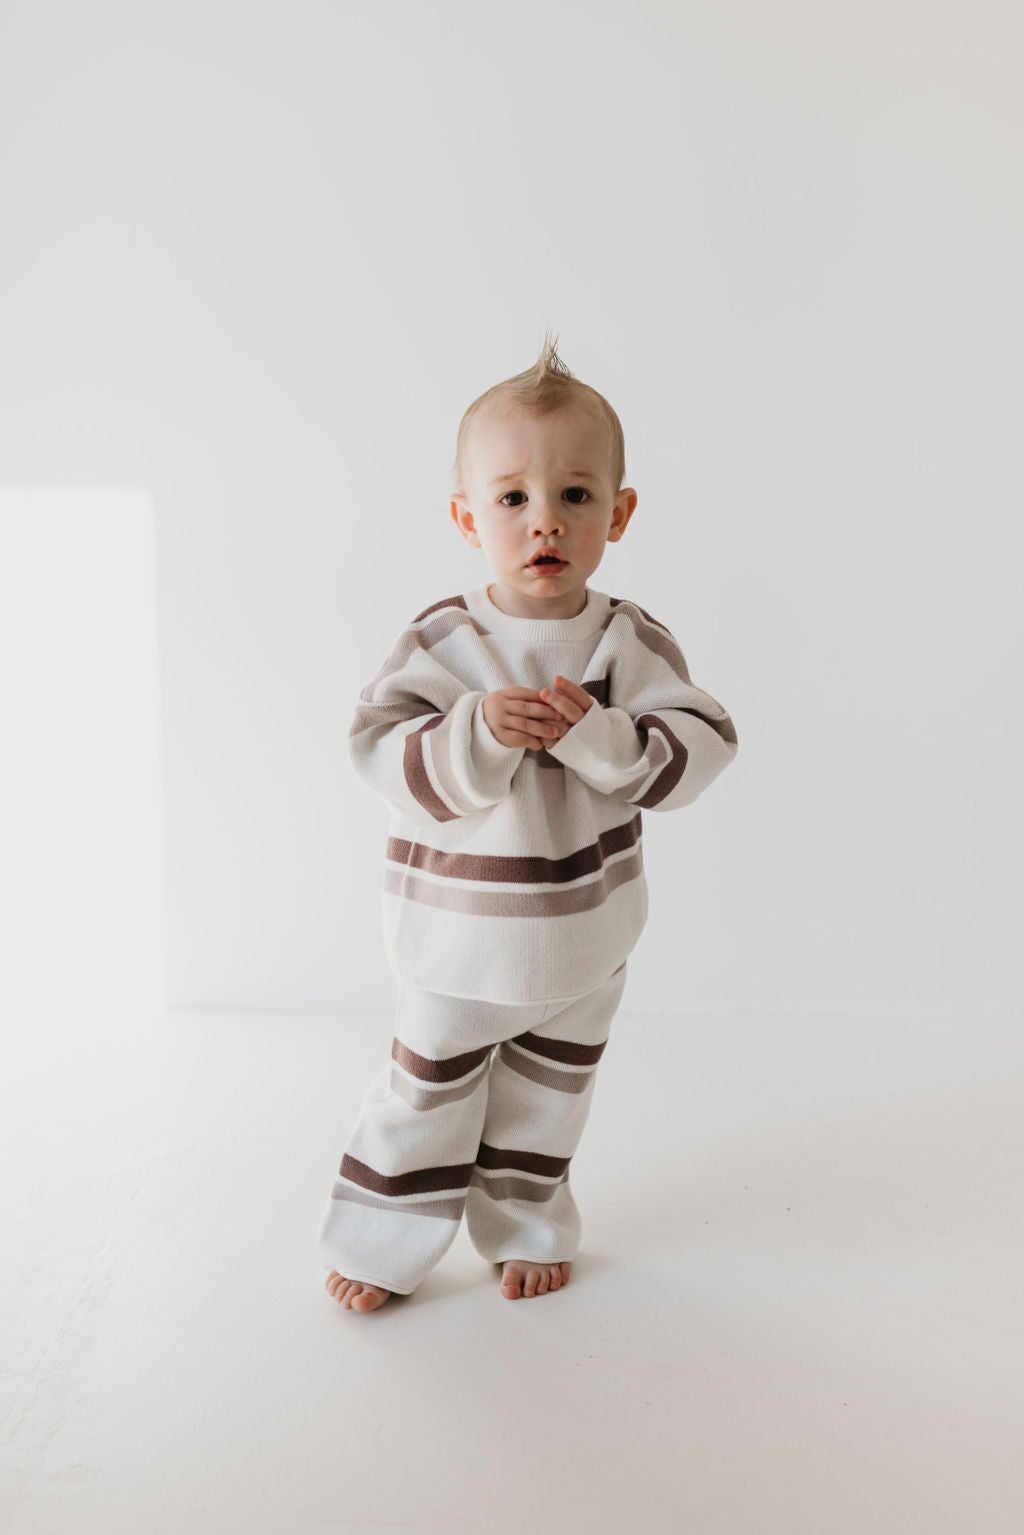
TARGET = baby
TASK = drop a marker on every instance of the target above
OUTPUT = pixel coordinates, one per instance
(516, 732)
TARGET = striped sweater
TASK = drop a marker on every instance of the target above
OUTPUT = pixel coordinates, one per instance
(516, 875)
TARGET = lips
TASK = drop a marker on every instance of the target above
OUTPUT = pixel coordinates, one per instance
(547, 559)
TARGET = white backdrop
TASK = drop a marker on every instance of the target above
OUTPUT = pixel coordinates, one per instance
(257, 259)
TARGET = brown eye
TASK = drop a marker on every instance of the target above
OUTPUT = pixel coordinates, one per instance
(512, 493)
(581, 490)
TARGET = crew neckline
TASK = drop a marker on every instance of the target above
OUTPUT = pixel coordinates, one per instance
(552, 630)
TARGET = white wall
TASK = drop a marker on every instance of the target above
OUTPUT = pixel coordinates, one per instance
(259, 258)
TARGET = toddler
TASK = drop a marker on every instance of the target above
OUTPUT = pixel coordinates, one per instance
(516, 733)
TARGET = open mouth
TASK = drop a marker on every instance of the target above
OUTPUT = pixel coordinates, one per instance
(547, 562)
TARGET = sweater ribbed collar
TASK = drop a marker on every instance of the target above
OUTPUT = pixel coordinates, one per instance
(550, 631)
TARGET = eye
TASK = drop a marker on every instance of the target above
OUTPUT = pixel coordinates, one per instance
(572, 490)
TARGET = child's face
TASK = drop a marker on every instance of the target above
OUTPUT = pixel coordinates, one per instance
(538, 482)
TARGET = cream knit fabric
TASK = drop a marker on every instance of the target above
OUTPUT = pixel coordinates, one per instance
(516, 876)
(479, 1110)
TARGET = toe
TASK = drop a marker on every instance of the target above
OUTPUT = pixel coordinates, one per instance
(511, 1281)
(555, 1278)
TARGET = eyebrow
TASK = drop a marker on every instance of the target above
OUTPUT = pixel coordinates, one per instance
(576, 474)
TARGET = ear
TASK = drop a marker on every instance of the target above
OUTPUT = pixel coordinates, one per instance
(463, 520)
(625, 505)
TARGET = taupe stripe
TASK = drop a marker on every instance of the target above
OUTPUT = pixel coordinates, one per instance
(434, 1097)
(660, 640)
(529, 870)
(567, 1051)
(435, 607)
(441, 761)
(367, 715)
(522, 1161)
(517, 1188)
(449, 687)
(657, 639)
(445, 1209)
(415, 770)
(446, 1069)
(515, 903)
(547, 1076)
(618, 602)
(421, 1181)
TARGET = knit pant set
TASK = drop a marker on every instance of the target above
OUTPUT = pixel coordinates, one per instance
(515, 876)
(480, 1108)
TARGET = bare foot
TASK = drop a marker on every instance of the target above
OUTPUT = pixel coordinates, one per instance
(354, 1294)
(521, 1278)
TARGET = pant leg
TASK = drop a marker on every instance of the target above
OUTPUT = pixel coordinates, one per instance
(401, 1188)
(519, 1203)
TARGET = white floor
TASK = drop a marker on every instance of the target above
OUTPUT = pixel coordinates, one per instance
(810, 1320)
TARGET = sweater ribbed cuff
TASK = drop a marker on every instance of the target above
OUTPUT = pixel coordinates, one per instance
(588, 743)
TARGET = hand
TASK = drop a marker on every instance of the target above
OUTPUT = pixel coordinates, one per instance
(571, 701)
(518, 717)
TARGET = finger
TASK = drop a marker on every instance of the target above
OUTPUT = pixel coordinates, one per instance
(540, 711)
(532, 729)
(567, 708)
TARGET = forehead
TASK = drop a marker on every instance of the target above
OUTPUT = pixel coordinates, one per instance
(506, 439)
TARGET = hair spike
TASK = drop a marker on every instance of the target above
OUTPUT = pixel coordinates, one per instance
(546, 386)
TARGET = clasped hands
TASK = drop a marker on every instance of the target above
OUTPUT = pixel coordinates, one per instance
(526, 717)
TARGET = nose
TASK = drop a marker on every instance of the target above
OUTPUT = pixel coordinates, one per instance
(547, 518)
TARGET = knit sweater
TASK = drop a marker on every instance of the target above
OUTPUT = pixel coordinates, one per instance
(516, 875)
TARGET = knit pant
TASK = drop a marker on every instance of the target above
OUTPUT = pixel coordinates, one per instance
(480, 1109)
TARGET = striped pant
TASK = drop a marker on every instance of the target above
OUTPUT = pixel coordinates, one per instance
(480, 1108)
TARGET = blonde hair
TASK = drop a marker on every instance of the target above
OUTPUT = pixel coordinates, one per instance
(545, 387)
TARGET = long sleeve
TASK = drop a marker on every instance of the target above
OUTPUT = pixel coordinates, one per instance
(668, 745)
(419, 739)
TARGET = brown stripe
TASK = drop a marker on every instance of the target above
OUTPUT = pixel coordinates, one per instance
(522, 1161)
(446, 1069)
(516, 1188)
(547, 1076)
(444, 1209)
(673, 770)
(501, 869)
(565, 1050)
(598, 690)
(516, 903)
(423, 1180)
(441, 762)
(415, 769)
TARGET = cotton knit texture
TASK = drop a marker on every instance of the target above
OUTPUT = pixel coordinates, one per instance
(516, 875)
(479, 1111)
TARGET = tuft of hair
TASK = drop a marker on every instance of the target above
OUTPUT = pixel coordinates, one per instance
(548, 385)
